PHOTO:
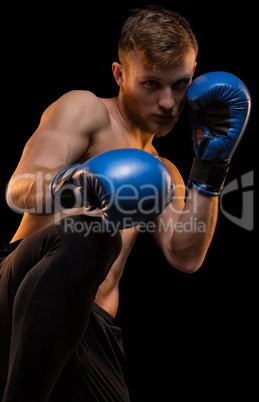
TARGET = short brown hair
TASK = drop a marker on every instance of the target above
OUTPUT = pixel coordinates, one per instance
(162, 36)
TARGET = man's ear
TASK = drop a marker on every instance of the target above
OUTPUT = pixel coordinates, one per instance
(118, 73)
(194, 68)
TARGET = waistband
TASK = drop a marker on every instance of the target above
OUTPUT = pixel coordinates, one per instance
(99, 310)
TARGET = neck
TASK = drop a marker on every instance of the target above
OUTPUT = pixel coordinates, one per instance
(142, 139)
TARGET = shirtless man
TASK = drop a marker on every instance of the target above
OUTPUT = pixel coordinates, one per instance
(55, 288)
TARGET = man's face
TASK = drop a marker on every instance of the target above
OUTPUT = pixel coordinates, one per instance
(154, 99)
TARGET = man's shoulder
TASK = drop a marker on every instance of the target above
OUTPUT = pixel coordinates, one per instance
(175, 174)
(81, 107)
(170, 166)
(83, 100)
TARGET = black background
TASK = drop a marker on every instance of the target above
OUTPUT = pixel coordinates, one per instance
(187, 335)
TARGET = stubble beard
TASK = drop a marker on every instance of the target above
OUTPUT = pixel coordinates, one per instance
(145, 121)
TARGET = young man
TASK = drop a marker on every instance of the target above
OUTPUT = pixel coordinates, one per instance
(59, 288)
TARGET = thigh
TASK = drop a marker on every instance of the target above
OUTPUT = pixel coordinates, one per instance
(59, 255)
(13, 270)
(94, 371)
(71, 241)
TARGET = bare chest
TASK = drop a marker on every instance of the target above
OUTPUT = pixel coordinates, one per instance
(112, 137)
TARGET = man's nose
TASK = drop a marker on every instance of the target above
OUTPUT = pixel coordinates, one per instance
(166, 100)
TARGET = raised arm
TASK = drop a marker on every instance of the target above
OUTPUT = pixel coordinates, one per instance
(185, 229)
(221, 104)
(63, 136)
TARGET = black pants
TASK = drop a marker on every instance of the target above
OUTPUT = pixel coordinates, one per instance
(47, 288)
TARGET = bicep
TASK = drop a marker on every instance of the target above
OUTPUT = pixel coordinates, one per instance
(166, 222)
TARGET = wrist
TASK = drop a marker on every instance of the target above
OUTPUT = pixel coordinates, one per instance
(209, 177)
(62, 187)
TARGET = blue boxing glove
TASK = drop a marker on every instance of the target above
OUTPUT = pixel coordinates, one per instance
(129, 186)
(219, 104)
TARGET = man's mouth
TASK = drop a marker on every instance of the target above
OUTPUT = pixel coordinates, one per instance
(163, 118)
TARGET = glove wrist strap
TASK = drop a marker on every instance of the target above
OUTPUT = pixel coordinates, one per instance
(210, 175)
(62, 188)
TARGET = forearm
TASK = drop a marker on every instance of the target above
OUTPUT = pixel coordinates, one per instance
(220, 107)
(193, 231)
(29, 191)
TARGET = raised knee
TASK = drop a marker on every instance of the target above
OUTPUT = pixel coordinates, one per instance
(89, 240)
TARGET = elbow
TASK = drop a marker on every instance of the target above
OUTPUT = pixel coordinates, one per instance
(191, 268)
(10, 196)
(187, 268)
(186, 265)
(15, 197)
(13, 200)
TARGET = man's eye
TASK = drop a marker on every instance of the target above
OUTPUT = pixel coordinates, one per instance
(182, 84)
(150, 84)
